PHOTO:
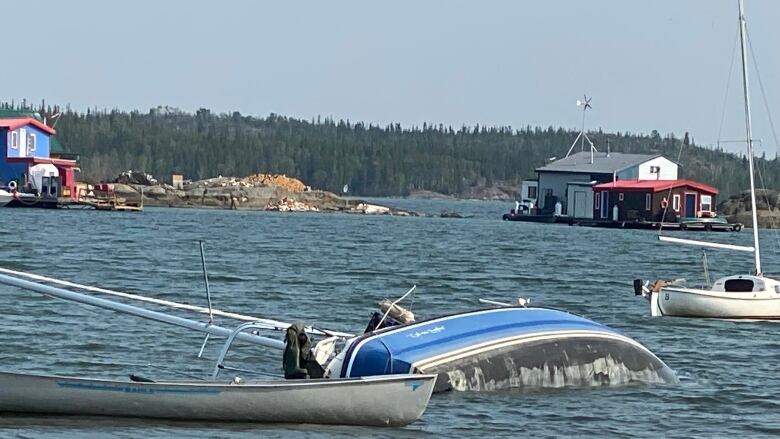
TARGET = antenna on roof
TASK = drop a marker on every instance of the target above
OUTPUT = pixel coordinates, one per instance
(585, 104)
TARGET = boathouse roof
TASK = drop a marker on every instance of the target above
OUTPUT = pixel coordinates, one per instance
(603, 162)
(654, 185)
(14, 123)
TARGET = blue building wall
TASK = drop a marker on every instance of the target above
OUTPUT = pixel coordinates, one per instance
(15, 171)
(42, 147)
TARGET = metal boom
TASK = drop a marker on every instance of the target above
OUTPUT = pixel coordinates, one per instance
(139, 312)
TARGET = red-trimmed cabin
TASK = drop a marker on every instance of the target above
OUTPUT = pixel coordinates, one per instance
(646, 199)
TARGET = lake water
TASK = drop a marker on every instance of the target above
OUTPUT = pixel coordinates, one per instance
(331, 269)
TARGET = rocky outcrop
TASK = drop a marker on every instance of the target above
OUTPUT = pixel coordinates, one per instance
(499, 192)
(737, 208)
(372, 209)
(135, 177)
(257, 192)
(290, 205)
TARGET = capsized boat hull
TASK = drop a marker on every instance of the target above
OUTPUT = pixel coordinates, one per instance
(562, 360)
(378, 401)
(507, 347)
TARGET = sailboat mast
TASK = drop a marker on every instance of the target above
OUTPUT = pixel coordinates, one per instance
(749, 132)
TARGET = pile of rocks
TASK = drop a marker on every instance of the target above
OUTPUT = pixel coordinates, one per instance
(136, 177)
(220, 182)
(371, 209)
(277, 180)
(290, 205)
(258, 180)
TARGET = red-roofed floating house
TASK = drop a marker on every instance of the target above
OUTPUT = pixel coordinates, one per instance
(27, 167)
(618, 190)
(646, 200)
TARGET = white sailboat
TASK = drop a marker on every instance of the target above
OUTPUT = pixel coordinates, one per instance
(753, 296)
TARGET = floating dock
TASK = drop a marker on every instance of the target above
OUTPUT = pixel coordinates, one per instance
(686, 225)
(110, 204)
(104, 200)
(654, 225)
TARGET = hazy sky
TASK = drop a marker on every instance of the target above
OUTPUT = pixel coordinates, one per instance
(648, 65)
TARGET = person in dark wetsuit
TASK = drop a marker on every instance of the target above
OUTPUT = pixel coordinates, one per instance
(298, 361)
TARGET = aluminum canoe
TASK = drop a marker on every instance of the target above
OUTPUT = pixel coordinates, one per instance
(394, 400)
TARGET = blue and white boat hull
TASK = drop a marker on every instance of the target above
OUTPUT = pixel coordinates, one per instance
(506, 347)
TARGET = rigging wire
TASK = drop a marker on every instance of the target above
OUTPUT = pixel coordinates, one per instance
(763, 93)
(728, 84)
(669, 194)
(766, 200)
(669, 199)
(771, 126)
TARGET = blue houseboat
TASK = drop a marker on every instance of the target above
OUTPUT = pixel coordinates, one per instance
(28, 170)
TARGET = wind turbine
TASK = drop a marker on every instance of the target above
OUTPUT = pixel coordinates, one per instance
(585, 104)
(55, 118)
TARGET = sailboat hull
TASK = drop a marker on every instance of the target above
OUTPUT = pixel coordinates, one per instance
(690, 302)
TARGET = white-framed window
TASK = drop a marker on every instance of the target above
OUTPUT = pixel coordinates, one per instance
(648, 201)
(597, 201)
(31, 142)
(706, 203)
(620, 196)
(532, 192)
(655, 169)
(14, 140)
(676, 202)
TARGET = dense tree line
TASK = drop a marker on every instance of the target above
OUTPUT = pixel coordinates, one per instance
(371, 159)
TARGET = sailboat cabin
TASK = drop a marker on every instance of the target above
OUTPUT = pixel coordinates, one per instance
(636, 200)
